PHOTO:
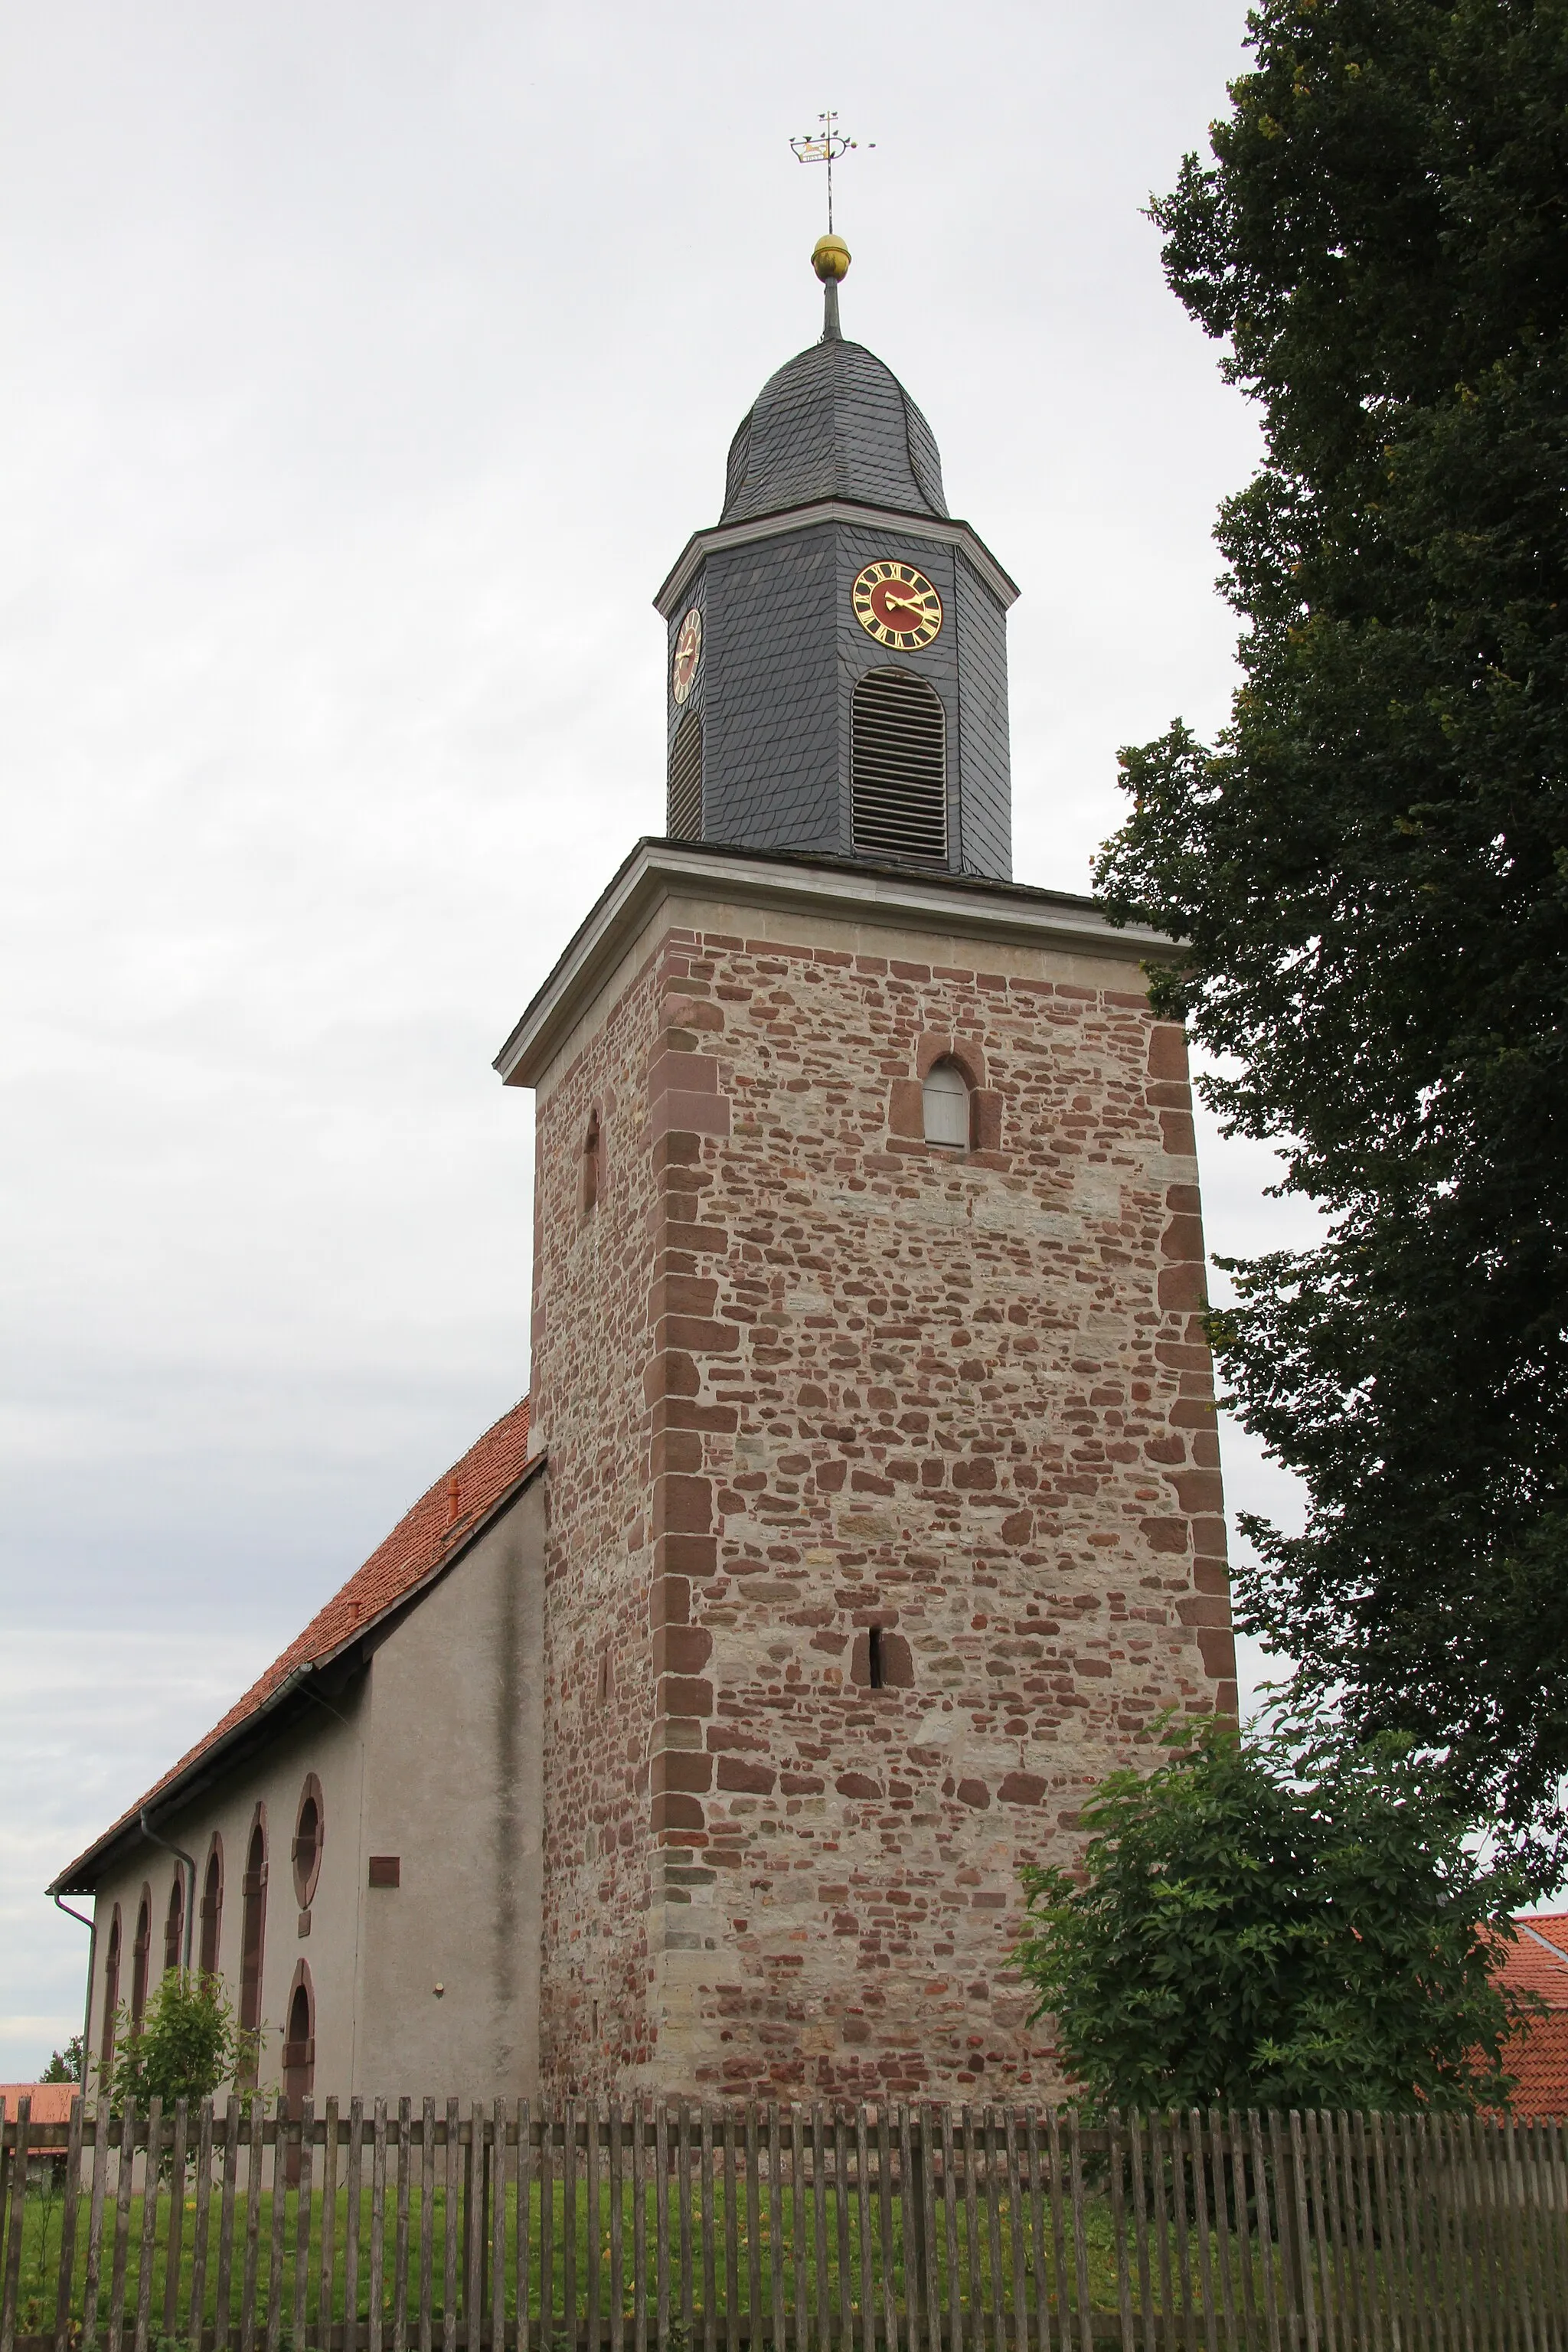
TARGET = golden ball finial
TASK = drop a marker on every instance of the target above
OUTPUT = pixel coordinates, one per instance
(830, 259)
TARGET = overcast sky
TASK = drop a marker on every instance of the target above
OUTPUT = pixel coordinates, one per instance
(366, 367)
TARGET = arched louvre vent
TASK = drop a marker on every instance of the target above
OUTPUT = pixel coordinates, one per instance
(685, 817)
(898, 768)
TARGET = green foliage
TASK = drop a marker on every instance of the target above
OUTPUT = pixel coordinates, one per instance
(1276, 1918)
(64, 2065)
(186, 2044)
(1370, 865)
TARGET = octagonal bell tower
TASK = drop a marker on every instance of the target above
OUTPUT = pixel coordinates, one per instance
(838, 681)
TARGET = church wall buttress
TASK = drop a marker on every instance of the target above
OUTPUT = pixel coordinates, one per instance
(858, 1382)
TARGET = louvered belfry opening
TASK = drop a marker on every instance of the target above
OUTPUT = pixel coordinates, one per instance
(898, 768)
(685, 811)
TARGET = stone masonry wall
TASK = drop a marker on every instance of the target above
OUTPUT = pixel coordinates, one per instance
(592, 1343)
(857, 1381)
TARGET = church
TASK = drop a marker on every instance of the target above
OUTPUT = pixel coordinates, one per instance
(690, 1733)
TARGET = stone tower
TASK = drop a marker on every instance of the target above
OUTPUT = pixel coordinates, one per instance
(882, 1474)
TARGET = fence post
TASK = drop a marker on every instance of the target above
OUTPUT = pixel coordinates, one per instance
(16, 2177)
(147, 2252)
(66, 2264)
(1303, 2228)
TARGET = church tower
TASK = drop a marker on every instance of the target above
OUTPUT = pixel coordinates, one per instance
(882, 1478)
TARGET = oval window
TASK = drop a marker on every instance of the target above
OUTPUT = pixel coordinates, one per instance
(307, 1853)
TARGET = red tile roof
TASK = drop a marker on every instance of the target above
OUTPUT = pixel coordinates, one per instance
(1538, 2057)
(446, 1518)
(51, 2101)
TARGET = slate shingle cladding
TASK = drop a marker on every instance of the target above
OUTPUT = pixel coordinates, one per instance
(833, 423)
(781, 647)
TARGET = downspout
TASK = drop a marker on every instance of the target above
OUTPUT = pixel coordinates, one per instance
(189, 1859)
(91, 1926)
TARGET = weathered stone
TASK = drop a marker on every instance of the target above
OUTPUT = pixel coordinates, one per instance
(845, 1380)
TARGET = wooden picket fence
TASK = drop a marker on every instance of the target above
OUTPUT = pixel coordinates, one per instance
(573, 2227)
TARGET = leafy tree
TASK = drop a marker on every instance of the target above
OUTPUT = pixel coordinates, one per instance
(186, 2042)
(64, 2065)
(1372, 862)
(1277, 1917)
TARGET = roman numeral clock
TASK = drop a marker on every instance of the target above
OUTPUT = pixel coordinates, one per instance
(896, 605)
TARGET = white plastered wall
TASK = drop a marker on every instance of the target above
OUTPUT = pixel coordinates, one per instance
(432, 1755)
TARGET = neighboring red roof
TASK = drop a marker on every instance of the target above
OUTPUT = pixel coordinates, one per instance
(51, 2101)
(443, 1519)
(1538, 2057)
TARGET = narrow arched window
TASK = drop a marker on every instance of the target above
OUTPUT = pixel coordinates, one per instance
(307, 1839)
(110, 1996)
(253, 1929)
(299, 2060)
(298, 2053)
(898, 768)
(946, 1092)
(212, 1910)
(138, 1953)
(593, 1157)
(174, 1923)
(684, 818)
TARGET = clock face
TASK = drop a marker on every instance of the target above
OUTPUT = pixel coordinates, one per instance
(687, 654)
(896, 605)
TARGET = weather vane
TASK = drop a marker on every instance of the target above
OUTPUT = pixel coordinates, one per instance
(825, 146)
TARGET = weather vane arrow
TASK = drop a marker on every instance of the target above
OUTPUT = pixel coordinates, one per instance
(825, 146)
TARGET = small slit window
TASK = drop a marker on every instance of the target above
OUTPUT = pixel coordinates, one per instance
(874, 1666)
(946, 1094)
(898, 768)
(684, 807)
(593, 1156)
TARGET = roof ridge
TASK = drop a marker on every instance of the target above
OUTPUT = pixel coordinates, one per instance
(431, 1532)
(1545, 1942)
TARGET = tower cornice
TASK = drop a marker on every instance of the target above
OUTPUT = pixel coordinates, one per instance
(943, 531)
(850, 888)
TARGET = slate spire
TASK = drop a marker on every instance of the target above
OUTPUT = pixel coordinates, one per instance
(803, 716)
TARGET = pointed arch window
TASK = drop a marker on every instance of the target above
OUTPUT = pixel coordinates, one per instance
(110, 1995)
(947, 1110)
(174, 1923)
(138, 1953)
(898, 768)
(211, 1913)
(253, 1926)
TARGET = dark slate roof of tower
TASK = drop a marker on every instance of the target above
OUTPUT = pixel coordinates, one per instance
(834, 423)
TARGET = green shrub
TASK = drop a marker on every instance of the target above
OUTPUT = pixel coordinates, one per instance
(1277, 1917)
